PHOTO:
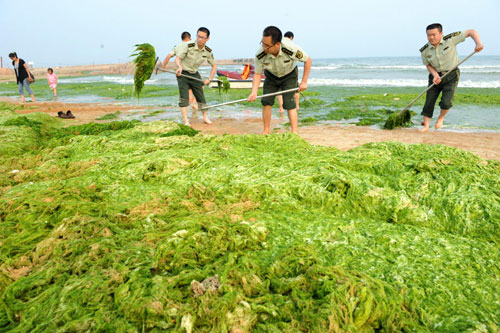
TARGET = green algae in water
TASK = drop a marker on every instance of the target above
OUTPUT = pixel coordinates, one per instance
(397, 119)
(309, 102)
(108, 231)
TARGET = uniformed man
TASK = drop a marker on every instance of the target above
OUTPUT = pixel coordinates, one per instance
(440, 56)
(189, 58)
(288, 35)
(277, 58)
(185, 37)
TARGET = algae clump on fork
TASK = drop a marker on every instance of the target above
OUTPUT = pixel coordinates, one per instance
(145, 60)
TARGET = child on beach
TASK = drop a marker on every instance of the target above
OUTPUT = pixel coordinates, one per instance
(52, 80)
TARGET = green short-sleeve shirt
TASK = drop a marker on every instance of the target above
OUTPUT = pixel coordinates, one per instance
(192, 57)
(284, 62)
(444, 57)
(175, 49)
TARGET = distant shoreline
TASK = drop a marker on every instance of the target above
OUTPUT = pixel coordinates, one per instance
(7, 73)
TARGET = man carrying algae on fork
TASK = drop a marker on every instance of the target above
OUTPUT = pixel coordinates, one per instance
(440, 56)
(189, 58)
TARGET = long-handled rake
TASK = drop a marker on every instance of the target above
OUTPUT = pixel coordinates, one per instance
(189, 77)
(403, 117)
(246, 99)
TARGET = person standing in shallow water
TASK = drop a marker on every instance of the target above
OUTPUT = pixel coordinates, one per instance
(189, 58)
(185, 38)
(440, 56)
(23, 76)
(277, 57)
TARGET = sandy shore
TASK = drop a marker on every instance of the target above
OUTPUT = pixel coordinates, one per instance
(345, 137)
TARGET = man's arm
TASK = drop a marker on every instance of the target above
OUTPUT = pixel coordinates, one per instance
(475, 36)
(255, 87)
(434, 73)
(178, 63)
(212, 74)
(167, 59)
(305, 76)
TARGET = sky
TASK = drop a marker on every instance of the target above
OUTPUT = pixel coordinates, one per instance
(59, 33)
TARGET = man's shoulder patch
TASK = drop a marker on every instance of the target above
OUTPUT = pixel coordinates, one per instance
(208, 49)
(453, 34)
(261, 55)
(287, 51)
(298, 54)
(190, 44)
(424, 47)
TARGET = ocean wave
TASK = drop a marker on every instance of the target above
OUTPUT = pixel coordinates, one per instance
(395, 83)
(111, 79)
(472, 69)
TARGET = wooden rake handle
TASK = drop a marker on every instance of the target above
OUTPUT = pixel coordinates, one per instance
(246, 99)
(189, 77)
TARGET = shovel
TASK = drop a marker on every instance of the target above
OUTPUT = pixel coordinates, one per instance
(246, 99)
(404, 115)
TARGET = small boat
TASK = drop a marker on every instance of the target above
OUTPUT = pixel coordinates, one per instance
(237, 80)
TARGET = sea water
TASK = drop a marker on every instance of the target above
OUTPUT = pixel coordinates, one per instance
(337, 78)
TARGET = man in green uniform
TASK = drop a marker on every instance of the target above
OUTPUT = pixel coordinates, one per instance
(277, 58)
(189, 58)
(440, 56)
(185, 37)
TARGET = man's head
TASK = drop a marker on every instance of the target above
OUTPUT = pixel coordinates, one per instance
(185, 36)
(271, 40)
(434, 33)
(13, 55)
(289, 35)
(202, 36)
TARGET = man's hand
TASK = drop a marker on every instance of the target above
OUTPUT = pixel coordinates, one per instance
(206, 82)
(437, 79)
(252, 97)
(479, 47)
(302, 86)
(179, 71)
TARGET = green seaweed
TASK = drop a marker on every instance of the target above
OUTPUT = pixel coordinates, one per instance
(121, 228)
(182, 130)
(223, 85)
(110, 116)
(145, 61)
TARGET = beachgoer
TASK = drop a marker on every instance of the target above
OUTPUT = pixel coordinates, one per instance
(277, 58)
(440, 56)
(189, 58)
(52, 80)
(23, 76)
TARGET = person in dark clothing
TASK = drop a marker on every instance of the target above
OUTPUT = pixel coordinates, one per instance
(23, 76)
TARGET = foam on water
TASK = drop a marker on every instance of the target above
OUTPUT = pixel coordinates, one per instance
(395, 83)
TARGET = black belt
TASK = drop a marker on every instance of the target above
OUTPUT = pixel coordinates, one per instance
(443, 73)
